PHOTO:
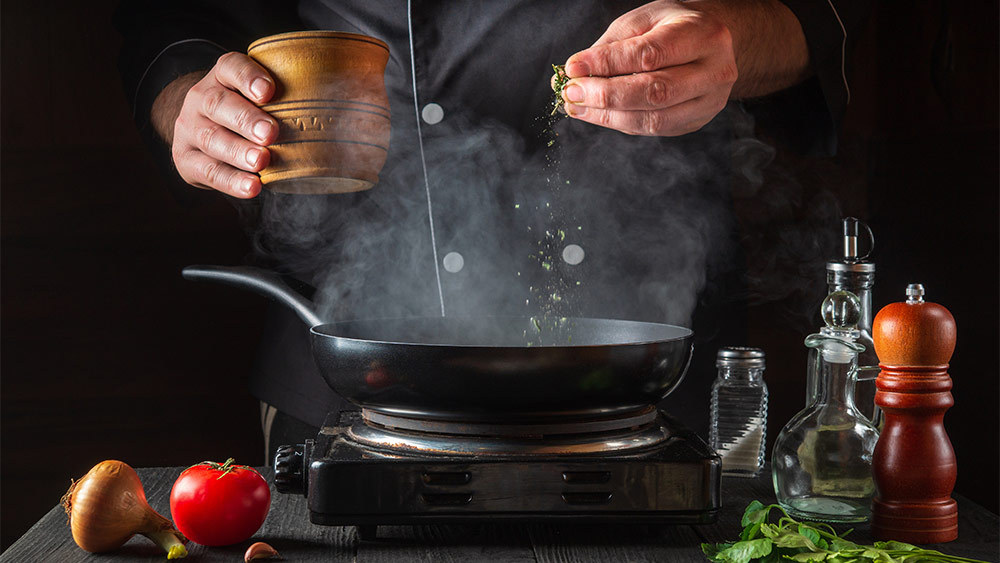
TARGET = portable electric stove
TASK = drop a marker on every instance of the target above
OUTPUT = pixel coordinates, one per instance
(373, 467)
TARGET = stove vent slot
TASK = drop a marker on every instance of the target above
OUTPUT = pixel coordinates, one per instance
(586, 477)
(446, 477)
(446, 499)
(587, 498)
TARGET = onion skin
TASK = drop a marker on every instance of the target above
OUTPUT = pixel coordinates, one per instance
(107, 506)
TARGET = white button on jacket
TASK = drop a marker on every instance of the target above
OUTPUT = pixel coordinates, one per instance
(432, 113)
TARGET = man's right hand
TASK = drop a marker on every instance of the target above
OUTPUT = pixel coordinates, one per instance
(219, 136)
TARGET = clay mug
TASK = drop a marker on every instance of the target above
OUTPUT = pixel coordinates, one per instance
(331, 107)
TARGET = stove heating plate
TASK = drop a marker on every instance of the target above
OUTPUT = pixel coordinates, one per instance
(359, 472)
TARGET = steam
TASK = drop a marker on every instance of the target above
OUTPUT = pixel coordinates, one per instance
(651, 219)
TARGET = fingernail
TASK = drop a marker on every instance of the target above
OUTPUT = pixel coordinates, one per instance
(253, 156)
(575, 110)
(578, 68)
(247, 185)
(262, 129)
(573, 94)
(259, 87)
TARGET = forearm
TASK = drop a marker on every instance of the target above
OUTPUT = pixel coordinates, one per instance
(167, 105)
(768, 43)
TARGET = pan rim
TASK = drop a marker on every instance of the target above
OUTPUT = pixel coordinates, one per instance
(687, 334)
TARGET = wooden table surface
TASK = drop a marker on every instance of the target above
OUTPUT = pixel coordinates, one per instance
(287, 529)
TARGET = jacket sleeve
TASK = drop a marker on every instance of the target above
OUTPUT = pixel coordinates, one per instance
(808, 116)
(163, 40)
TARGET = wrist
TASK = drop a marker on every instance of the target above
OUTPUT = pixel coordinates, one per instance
(768, 44)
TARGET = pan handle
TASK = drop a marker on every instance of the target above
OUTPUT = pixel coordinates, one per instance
(259, 281)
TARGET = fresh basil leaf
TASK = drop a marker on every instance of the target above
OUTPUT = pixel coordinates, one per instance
(755, 513)
(809, 533)
(770, 530)
(791, 539)
(878, 555)
(744, 551)
(809, 556)
(776, 556)
(840, 544)
(821, 543)
(751, 532)
(712, 550)
(897, 546)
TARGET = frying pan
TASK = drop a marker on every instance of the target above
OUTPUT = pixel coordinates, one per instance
(483, 368)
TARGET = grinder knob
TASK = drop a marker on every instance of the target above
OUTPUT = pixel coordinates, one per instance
(288, 474)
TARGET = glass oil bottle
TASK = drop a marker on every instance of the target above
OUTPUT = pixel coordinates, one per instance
(822, 459)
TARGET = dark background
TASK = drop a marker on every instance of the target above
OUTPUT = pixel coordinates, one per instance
(107, 353)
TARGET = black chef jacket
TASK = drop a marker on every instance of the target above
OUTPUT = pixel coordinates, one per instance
(483, 194)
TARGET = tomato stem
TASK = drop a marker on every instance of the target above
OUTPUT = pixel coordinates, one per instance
(226, 467)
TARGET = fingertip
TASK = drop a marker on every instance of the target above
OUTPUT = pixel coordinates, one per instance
(265, 159)
(266, 131)
(577, 66)
(262, 89)
(575, 110)
(249, 187)
(257, 159)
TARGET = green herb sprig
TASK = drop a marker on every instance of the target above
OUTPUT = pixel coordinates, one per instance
(790, 540)
(557, 86)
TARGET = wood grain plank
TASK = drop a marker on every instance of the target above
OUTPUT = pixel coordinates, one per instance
(497, 543)
(564, 543)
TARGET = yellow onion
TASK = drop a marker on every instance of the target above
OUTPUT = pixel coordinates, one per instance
(107, 506)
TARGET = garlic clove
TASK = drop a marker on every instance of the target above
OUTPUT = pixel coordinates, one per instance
(259, 550)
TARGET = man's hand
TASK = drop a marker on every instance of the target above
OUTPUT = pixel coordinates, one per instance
(219, 136)
(667, 68)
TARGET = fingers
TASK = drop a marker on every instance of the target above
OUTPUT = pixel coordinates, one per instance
(680, 119)
(239, 72)
(220, 143)
(236, 113)
(220, 135)
(681, 41)
(649, 90)
(200, 169)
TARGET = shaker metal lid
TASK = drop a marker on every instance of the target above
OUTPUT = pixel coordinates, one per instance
(835, 266)
(740, 356)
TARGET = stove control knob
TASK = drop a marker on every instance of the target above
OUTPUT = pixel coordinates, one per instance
(288, 463)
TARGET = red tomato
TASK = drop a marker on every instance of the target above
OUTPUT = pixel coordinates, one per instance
(219, 504)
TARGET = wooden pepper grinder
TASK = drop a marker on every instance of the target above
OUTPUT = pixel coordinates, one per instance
(914, 464)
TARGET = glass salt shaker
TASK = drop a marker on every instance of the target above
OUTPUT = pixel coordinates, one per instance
(739, 411)
(822, 459)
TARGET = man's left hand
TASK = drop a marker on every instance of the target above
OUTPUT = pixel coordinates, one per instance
(662, 69)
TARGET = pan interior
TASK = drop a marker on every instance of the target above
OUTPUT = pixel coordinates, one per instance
(516, 332)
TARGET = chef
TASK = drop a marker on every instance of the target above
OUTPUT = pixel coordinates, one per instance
(487, 205)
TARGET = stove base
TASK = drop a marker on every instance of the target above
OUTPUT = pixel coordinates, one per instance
(346, 483)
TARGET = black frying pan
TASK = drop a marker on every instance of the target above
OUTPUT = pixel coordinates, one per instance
(452, 368)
